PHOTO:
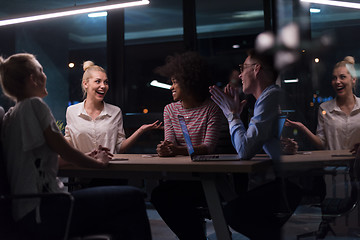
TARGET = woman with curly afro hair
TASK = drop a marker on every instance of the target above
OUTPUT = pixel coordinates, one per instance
(189, 75)
(177, 201)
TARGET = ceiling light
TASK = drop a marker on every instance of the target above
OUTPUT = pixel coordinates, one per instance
(291, 80)
(315, 10)
(62, 12)
(97, 14)
(155, 83)
(335, 3)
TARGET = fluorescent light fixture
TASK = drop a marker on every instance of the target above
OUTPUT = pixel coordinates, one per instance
(155, 83)
(97, 14)
(62, 12)
(291, 80)
(315, 10)
(335, 3)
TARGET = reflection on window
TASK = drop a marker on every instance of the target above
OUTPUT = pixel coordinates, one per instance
(335, 25)
(219, 20)
(87, 31)
(225, 32)
(160, 21)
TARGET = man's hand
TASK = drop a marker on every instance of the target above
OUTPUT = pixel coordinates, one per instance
(228, 101)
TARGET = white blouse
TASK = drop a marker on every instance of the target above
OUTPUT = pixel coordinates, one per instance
(86, 134)
(337, 130)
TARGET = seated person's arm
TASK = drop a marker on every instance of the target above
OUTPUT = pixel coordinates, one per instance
(167, 149)
(127, 143)
(58, 144)
(289, 146)
(316, 141)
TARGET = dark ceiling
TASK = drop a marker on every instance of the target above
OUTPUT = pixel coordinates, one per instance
(163, 17)
(159, 18)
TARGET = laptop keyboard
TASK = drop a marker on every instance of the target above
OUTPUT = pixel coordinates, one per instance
(207, 157)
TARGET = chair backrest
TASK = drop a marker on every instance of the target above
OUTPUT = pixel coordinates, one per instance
(354, 173)
(6, 221)
(8, 229)
(4, 186)
(333, 207)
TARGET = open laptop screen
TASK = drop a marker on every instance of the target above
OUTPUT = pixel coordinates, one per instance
(282, 119)
(186, 135)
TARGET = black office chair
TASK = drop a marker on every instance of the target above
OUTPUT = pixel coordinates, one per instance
(8, 227)
(331, 208)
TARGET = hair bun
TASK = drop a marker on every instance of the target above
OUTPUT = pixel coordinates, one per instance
(349, 59)
(87, 64)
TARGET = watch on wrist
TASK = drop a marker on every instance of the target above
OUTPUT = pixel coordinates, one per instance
(231, 116)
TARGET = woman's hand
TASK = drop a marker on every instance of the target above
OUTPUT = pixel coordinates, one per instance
(297, 125)
(355, 148)
(102, 154)
(289, 146)
(127, 143)
(152, 126)
(165, 149)
(99, 149)
(102, 157)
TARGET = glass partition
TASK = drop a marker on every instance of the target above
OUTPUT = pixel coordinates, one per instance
(225, 33)
(160, 21)
(56, 43)
(329, 39)
(151, 34)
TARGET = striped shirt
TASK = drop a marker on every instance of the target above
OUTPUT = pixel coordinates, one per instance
(203, 123)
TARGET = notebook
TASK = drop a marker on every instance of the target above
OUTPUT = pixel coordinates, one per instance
(197, 158)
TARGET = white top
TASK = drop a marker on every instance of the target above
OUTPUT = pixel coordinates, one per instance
(86, 134)
(337, 130)
(31, 165)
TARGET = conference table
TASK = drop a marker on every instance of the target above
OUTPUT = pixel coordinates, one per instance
(210, 173)
(312, 160)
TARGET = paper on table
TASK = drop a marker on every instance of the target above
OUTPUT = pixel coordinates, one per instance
(149, 155)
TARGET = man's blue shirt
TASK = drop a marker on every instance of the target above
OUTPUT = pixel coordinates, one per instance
(263, 127)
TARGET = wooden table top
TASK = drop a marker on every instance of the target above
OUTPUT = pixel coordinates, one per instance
(317, 159)
(153, 163)
(181, 164)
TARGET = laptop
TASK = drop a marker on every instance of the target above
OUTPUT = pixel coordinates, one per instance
(282, 119)
(198, 158)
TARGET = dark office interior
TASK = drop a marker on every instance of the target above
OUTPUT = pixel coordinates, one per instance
(130, 43)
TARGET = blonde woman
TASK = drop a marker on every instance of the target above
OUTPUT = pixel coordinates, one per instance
(93, 122)
(338, 119)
